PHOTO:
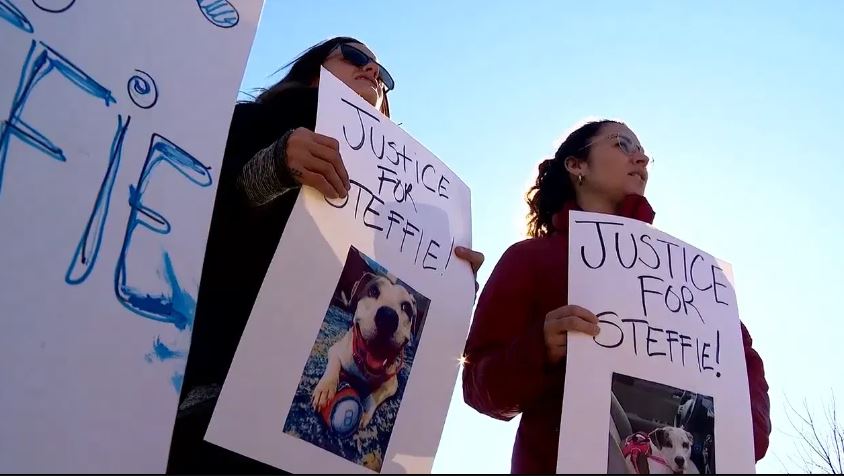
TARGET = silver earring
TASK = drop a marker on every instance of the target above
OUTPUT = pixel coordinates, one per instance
(580, 179)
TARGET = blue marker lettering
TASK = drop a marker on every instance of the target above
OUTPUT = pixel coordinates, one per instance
(89, 245)
(40, 61)
(219, 12)
(165, 307)
(10, 13)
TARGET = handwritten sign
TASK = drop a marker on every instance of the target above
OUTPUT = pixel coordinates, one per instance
(350, 356)
(668, 364)
(111, 138)
(398, 179)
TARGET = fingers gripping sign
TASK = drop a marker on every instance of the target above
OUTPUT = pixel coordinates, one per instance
(314, 160)
(559, 322)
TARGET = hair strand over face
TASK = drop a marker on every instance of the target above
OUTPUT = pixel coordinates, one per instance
(305, 69)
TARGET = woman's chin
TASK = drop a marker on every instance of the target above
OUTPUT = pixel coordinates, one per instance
(637, 189)
(368, 94)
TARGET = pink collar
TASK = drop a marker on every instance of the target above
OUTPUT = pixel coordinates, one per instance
(639, 444)
(660, 460)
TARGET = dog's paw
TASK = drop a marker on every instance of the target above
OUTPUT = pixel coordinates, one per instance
(323, 393)
(365, 419)
(369, 408)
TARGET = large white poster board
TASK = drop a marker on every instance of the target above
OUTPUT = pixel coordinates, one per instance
(114, 119)
(363, 306)
(668, 362)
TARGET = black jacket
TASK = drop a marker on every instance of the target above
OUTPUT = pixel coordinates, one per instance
(241, 243)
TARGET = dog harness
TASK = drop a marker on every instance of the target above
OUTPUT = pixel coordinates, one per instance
(638, 445)
(376, 371)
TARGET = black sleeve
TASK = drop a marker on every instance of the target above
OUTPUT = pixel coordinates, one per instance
(266, 175)
(258, 127)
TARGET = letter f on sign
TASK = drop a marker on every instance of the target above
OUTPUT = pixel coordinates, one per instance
(40, 61)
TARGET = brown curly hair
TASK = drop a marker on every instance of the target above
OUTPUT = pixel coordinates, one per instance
(554, 187)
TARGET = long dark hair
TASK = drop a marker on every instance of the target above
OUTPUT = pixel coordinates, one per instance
(304, 69)
(554, 187)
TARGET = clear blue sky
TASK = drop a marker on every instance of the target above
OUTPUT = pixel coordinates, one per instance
(740, 103)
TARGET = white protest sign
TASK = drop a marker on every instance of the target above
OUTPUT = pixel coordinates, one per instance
(669, 356)
(114, 120)
(363, 306)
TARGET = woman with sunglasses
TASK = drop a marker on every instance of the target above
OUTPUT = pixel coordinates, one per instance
(272, 150)
(516, 349)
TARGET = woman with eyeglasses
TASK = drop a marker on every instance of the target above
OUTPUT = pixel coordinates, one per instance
(515, 353)
(272, 150)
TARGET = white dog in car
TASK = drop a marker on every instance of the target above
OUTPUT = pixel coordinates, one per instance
(666, 450)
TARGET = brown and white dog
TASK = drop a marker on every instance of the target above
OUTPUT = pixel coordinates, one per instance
(372, 351)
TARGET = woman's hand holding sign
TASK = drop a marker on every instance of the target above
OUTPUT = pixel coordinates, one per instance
(314, 160)
(475, 259)
(559, 322)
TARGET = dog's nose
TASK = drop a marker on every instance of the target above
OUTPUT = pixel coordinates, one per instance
(680, 461)
(387, 320)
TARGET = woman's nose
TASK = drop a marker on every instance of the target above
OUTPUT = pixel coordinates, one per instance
(371, 69)
(639, 157)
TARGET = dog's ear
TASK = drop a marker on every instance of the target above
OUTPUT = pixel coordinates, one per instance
(691, 438)
(659, 437)
(414, 320)
(358, 289)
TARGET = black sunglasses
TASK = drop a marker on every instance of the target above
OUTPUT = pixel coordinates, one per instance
(361, 59)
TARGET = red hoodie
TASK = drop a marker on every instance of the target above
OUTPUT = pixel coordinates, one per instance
(506, 371)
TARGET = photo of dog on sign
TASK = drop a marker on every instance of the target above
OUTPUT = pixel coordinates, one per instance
(354, 379)
(659, 429)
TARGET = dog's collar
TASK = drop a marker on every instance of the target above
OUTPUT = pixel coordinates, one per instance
(660, 460)
(378, 371)
(639, 444)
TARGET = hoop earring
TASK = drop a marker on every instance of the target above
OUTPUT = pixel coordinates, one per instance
(580, 180)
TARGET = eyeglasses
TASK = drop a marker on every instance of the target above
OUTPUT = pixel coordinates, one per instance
(361, 59)
(624, 144)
